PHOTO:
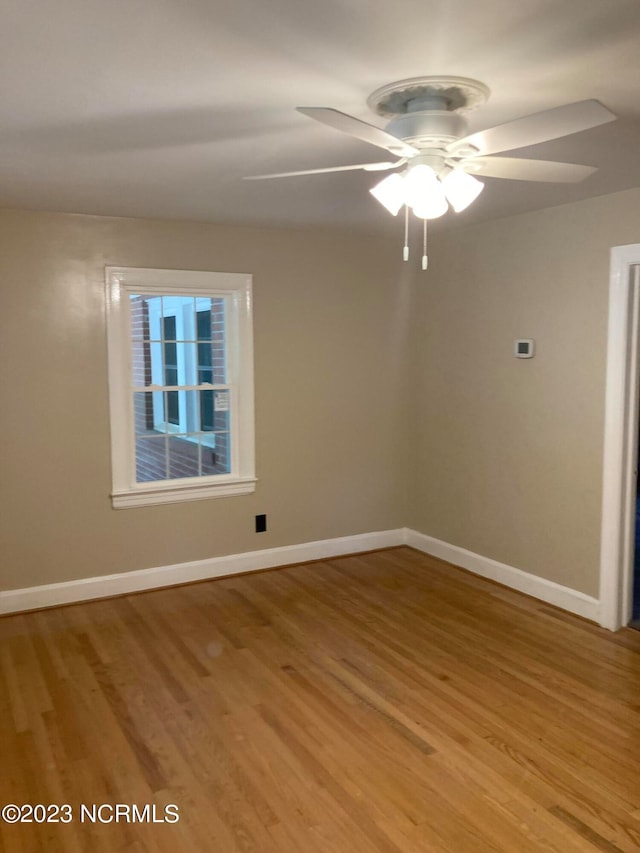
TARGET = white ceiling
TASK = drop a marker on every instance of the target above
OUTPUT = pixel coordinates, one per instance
(159, 107)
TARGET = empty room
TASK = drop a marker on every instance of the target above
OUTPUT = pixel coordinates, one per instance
(319, 514)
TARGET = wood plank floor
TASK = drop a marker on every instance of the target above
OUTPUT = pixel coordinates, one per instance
(379, 702)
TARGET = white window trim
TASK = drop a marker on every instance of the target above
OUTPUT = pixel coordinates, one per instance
(122, 281)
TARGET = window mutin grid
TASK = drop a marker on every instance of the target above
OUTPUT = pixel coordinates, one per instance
(179, 349)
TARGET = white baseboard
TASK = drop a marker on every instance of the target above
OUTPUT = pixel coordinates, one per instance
(546, 590)
(68, 592)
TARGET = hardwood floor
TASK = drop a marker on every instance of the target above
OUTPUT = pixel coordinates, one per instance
(379, 702)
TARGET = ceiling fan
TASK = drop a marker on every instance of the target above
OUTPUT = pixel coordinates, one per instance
(427, 133)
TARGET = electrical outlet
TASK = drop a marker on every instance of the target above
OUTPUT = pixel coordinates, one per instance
(261, 523)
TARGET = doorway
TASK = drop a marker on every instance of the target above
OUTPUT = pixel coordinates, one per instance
(619, 552)
(635, 595)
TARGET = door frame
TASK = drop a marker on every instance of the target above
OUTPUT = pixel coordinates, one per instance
(620, 439)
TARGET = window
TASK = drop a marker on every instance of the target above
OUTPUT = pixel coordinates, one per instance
(180, 385)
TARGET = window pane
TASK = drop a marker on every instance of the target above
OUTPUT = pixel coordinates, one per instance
(205, 348)
(205, 377)
(183, 364)
(148, 412)
(151, 459)
(221, 406)
(206, 411)
(147, 364)
(211, 362)
(156, 367)
(172, 407)
(218, 339)
(216, 459)
(169, 325)
(184, 455)
(211, 342)
(203, 303)
(203, 319)
(148, 314)
(178, 314)
(170, 353)
(140, 363)
(210, 324)
(214, 410)
(139, 307)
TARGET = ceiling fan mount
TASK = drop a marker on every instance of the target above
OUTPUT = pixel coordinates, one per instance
(426, 112)
(416, 94)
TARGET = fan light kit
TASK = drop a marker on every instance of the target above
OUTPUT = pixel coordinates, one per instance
(427, 132)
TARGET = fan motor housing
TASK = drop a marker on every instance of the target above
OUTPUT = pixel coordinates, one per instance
(432, 128)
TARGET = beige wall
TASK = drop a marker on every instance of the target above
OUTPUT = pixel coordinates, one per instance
(330, 337)
(507, 453)
(504, 455)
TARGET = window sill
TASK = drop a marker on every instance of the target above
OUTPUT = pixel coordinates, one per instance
(154, 494)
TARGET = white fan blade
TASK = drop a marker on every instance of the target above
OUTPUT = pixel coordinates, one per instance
(519, 169)
(368, 167)
(539, 127)
(360, 129)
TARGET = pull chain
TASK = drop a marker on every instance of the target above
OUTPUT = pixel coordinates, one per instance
(405, 251)
(425, 260)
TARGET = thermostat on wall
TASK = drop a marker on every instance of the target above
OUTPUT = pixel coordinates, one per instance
(524, 348)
